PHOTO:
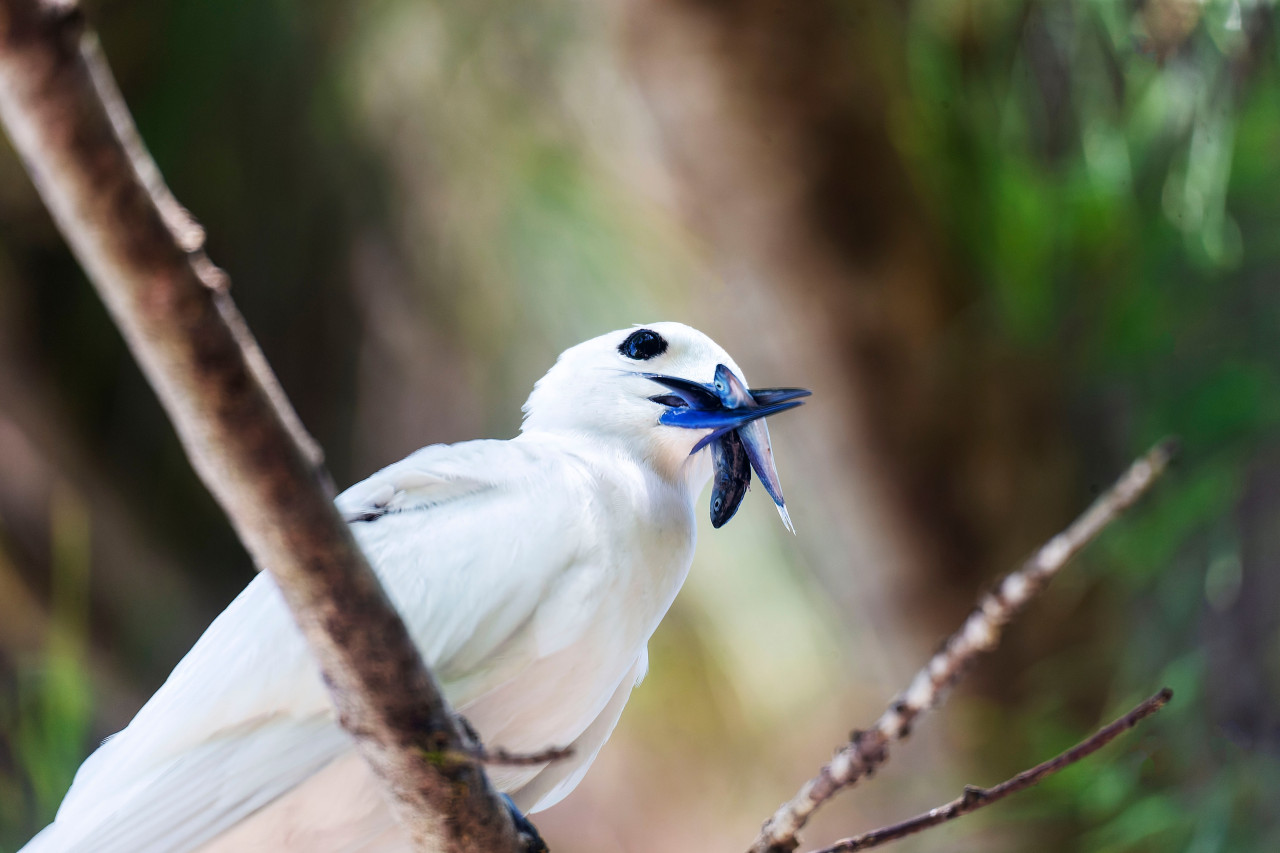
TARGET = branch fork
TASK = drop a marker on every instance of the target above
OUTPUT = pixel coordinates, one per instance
(980, 633)
(975, 798)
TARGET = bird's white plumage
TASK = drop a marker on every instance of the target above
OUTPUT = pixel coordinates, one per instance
(530, 572)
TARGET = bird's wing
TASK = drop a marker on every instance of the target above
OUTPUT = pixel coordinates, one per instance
(197, 795)
(554, 782)
(467, 539)
(435, 475)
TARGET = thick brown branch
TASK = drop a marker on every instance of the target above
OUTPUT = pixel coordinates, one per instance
(980, 633)
(144, 254)
(975, 798)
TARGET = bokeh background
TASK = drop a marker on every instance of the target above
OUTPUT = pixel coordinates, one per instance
(1008, 244)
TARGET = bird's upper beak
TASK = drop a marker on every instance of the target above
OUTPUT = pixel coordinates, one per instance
(739, 439)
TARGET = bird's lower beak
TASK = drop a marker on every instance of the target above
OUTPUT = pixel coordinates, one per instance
(739, 440)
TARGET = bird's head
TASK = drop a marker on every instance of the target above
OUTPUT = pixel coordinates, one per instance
(673, 397)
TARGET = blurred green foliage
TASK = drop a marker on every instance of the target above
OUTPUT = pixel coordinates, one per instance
(1114, 187)
(46, 709)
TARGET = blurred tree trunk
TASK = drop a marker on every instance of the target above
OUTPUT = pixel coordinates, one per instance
(776, 120)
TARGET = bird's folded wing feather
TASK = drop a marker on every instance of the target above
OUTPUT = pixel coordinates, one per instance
(193, 797)
(467, 539)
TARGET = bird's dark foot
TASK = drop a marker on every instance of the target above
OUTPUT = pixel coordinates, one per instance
(528, 833)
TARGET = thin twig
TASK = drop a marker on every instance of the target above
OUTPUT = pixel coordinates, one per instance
(144, 254)
(975, 798)
(520, 759)
(980, 633)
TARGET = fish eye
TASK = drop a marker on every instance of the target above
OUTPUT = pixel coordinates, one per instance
(643, 344)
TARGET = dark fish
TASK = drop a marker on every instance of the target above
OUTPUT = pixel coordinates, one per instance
(732, 476)
(733, 416)
(754, 436)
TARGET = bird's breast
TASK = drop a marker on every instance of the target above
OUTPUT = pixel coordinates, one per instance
(593, 622)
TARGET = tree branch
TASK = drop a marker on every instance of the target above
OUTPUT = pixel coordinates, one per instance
(144, 255)
(980, 633)
(975, 798)
(506, 758)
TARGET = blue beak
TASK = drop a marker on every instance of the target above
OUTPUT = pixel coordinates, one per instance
(734, 417)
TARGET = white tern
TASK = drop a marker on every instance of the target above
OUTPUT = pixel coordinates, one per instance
(530, 573)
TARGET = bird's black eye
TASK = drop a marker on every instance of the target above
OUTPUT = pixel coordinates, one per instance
(643, 344)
